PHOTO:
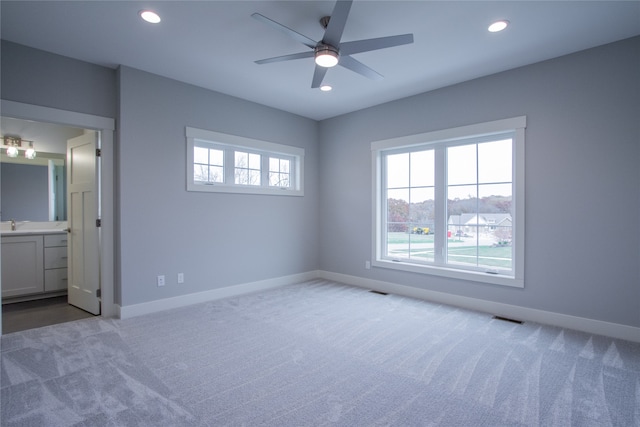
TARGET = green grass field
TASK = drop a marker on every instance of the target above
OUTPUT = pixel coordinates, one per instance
(420, 247)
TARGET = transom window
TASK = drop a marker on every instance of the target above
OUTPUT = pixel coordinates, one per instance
(451, 203)
(219, 162)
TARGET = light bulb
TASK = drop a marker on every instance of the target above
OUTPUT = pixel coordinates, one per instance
(12, 151)
(30, 153)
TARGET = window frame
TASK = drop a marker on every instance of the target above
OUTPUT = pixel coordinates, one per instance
(445, 138)
(232, 143)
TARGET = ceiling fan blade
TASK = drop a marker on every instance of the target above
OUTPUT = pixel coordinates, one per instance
(288, 31)
(358, 67)
(318, 76)
(285, 57)
(338, 20)
(367, 45)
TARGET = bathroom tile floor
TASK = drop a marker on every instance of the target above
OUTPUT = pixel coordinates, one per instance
(21, 316)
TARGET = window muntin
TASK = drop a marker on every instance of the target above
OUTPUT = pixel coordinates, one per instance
(451, 202)
(225, 163)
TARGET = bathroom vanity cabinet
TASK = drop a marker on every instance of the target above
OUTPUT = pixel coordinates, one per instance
(34, 264)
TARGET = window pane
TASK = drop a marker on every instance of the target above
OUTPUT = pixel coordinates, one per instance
(422, 205)
(461, 164)
(422, 216)
(254, 161)
(254, 177)
(216, 157)
(398, 206)
(241, 159)
(462, 198)
(242, 176)
(216, 174)
(398, 170)
(494, 161)
(200, 155)
(422, 169)
(397, 240)
(462, 229)
(494, 198)
(200, 173)
(278, 179)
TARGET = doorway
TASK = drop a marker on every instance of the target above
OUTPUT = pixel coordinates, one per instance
(105, 126)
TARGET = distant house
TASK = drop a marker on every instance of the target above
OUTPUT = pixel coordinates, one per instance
(470, 222)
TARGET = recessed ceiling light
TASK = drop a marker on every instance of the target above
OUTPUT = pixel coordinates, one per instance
(498, 26)
(325, 88)
(150, 16)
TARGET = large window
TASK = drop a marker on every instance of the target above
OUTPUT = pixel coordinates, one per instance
(451, 202)
(219, 162)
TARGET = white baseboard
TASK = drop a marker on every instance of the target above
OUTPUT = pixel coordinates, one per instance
(128, 311)
(583, 324)
(598, 327)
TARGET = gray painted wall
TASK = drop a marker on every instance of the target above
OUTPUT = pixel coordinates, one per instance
(25, 192)
(33, 76)
(215, 239)
(582, 180)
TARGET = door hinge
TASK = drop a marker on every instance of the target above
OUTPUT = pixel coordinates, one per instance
(98, 222)
(98, 293)
(98, 152)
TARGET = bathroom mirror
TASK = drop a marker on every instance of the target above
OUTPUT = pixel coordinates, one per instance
(33, 190)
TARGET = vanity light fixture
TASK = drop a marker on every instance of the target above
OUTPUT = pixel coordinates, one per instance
(14, 144)
(150, 16)
(498, 26)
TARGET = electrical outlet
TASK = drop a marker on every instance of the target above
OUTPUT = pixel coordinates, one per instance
(160, 280)
(367, 265)
(180, 277)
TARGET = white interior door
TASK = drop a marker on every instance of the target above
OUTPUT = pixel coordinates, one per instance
(82, 214)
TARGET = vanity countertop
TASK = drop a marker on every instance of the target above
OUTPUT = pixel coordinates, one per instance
(28, 228)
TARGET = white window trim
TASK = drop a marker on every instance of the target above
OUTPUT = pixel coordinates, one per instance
(217, 139)
(516, 125)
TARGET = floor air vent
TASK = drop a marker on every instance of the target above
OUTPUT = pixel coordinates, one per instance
(506, 319)
(378, 292)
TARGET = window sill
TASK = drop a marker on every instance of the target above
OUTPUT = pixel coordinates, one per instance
(494, 279)
(222, 188)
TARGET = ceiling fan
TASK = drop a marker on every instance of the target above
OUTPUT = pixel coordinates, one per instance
(330, 51)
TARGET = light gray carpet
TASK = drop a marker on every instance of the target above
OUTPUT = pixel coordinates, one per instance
(316, 354)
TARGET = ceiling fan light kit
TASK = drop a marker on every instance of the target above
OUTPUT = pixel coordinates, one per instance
(330, 51)
(326, 56)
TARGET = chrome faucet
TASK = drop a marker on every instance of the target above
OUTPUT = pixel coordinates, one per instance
(13, 225)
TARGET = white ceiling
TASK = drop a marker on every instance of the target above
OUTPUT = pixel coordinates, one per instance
(213, 44)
